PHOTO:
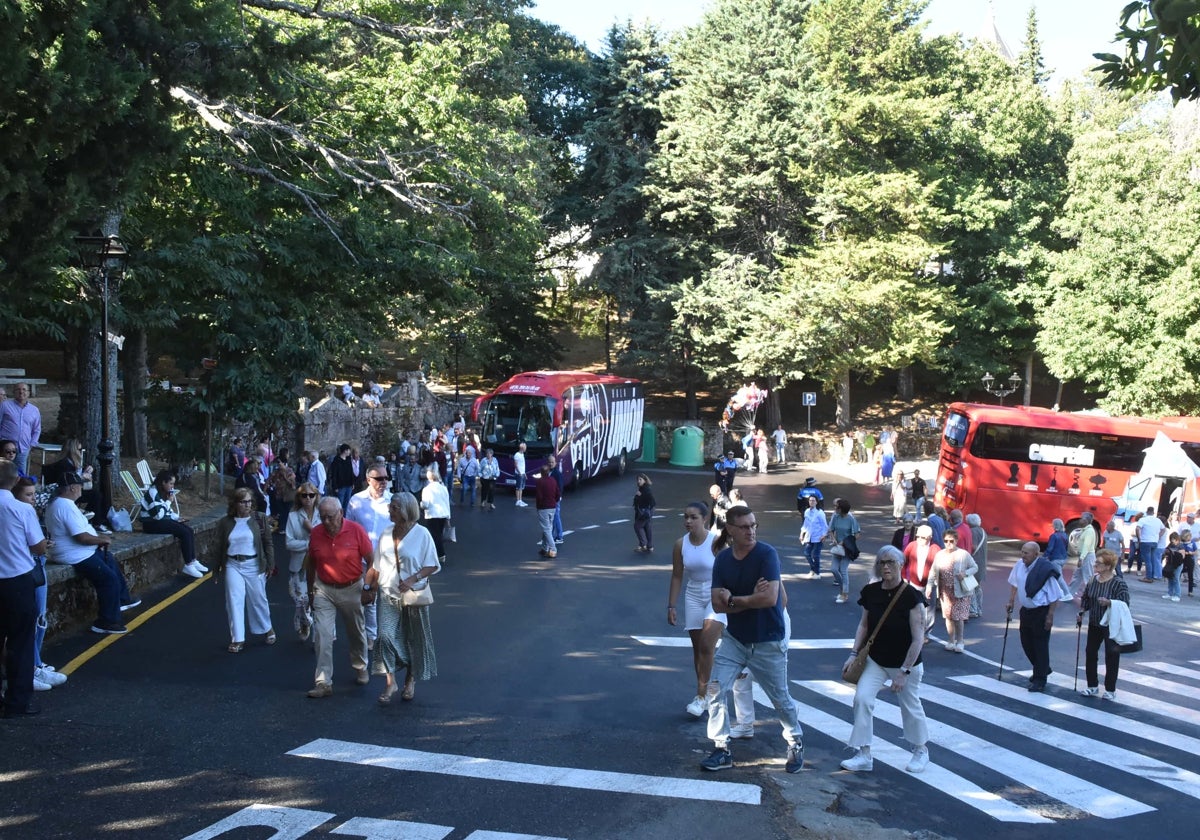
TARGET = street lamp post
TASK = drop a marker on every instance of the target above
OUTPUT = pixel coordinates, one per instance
(1000, 390)
(104, 259)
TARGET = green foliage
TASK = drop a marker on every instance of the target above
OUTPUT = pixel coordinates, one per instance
(1122, 315)
(1162, 49)
(177, 425)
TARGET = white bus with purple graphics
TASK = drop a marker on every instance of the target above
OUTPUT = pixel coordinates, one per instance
(593, 422)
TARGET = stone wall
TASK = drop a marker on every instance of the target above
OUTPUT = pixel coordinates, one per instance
(146, 560)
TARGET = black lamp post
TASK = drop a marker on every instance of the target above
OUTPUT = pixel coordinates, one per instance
(998, 389)
(457, 338)
(104, 259)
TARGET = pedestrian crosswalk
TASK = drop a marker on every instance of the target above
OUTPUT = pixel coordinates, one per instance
(1022, 757)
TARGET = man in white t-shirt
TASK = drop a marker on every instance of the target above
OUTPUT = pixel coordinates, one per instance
(370, 509)
(519, 471)
(76, 543)
(780, 438)
(1150, 529)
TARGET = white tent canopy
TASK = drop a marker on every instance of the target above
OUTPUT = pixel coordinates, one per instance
(1166, 459)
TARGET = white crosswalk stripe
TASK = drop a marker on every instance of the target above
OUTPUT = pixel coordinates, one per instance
(1085, 712)
(1184, 714)
(1168, 668)
(937, 777)
(1071, 790)
(1104, 754)
(396, 758)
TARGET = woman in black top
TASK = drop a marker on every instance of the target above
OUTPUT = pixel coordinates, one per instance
(1104, 588)
(895, 655)
(643, 511)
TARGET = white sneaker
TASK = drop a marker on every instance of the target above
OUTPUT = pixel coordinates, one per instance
(697, 707)
(1175, 598)
(200, 566)
(51, 678)
(1109, 695)
(919, 760)
(192, 571)
(522, 504)
(38, 685)
(860, 762)
(959, 647)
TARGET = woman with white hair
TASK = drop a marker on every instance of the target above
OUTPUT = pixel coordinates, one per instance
(404, 562)
(435, 504)
(895, 655)
(979, 536)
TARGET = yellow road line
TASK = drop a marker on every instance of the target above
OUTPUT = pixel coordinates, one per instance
(132, 625)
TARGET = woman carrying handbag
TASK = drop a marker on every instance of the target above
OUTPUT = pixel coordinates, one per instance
(892, 632)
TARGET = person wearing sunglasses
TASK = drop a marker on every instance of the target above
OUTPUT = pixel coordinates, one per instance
(300, 523)
(369, 508)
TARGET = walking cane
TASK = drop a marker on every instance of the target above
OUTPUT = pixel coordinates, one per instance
(1078, 636)
(1004, 645)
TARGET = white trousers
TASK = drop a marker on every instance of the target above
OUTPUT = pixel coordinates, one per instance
(912, 713)
(246, 594)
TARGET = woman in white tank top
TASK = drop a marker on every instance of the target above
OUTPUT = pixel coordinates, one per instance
(692, 560)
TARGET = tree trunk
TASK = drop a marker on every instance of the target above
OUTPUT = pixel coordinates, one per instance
(689, 385)
(774, 413)
(904, 383)
(88, 367)
(842, 418)
(133, 366)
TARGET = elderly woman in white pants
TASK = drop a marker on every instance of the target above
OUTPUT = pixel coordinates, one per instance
(895, 655)
(246, 558)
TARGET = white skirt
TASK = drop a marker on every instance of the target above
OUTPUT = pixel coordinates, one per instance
(697, 601)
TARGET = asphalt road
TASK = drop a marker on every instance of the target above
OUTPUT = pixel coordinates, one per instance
(558, 711)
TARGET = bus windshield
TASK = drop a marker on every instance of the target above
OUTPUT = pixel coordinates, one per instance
(511, 419)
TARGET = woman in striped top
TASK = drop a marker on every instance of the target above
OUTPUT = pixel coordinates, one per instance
(1101, 591)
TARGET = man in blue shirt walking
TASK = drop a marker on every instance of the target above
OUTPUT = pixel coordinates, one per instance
(755, 637)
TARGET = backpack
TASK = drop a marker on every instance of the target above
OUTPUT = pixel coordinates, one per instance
(1073, 542)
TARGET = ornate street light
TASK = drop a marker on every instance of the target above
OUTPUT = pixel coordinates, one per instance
(999, 390)
(104, 259)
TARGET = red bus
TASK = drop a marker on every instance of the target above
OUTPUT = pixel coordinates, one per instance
(1020, 467)
(593, 422)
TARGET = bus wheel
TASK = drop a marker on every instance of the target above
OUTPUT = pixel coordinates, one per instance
(622, 463)
(576, 475)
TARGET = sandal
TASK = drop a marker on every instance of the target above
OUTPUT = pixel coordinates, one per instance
(386, 697)
(236, 647)
(271, 637)
(409, 691)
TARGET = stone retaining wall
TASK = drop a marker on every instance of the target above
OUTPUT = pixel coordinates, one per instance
(146, 560)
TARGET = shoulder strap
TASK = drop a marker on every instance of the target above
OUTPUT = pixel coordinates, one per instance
(895, 600)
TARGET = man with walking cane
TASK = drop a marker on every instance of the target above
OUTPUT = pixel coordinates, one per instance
(1038, 585)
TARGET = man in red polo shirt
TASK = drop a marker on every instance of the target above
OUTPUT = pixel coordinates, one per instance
(337, 550)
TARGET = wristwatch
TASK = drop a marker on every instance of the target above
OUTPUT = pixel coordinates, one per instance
(906, 671)
(366, 587)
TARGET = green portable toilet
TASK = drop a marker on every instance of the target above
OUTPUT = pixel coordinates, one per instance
(649, 444)
(687, 447)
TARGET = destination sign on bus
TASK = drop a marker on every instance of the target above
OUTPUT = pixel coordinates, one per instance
(1050, 454)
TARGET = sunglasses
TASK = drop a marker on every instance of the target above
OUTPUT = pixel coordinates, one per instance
(307, 495)
(382, 478)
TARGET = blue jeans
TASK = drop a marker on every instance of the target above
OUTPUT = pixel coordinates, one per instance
(343, 496)
(467, 488)
(812, 553)
(767, 663)
(1151, 556)
(111, 589)
(39, 632)
(558, 531)
(1173, 587)
(841, 573)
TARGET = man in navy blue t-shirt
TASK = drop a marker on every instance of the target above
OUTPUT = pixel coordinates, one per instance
(755, 637)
